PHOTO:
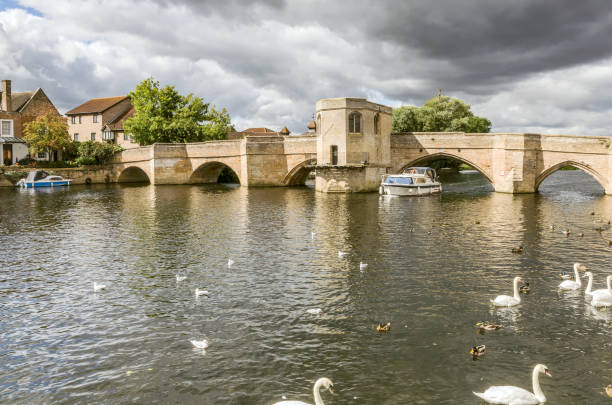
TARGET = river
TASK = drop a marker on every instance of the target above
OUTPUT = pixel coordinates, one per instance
(433, 265)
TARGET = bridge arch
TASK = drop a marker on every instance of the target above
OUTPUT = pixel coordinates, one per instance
(133, 174)
(444, 155)
(298, 175)
(584, 167)
(209, 172)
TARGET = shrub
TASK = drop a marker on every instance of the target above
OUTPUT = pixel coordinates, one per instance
(95, 153)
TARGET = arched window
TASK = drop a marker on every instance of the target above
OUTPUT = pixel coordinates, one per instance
(355, 123)
(376, 127)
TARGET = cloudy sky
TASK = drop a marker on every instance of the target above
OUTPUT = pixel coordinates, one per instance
(527, 65)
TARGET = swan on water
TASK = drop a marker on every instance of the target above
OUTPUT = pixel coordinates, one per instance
(321, 383)
(363, 266)
(200, 344)
(230, 262)
(506, 300)
(98, 287)
(597, 293)
(603, 298)
(312, 235)
(573, 284)
(342, 254)
(314, 311)
(199, 292)
(510, 395)
(180, 277)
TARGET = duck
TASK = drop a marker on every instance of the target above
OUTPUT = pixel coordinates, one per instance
(609, 390)
(525, 288)
(323, 382)
(342, 255)
(510, 395)
(476, 222)
(180, 278)
(552, 227)
(363, 265)
(199, 292)
(383, 327)
(517, 249)
(567, 232)
(230, 262)
(573, 284)
(581, 234)
(565, 276)
(200, 344)
(486, 325)
(506, 300)
(477, 350)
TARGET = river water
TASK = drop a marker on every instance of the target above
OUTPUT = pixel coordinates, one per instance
(130, 343)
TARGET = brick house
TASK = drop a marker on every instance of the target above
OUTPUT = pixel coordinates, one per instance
(101, 120)
(16, 111)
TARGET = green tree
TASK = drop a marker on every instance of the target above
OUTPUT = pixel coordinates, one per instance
(48, 133)
(95, 153)
(163, 115)
(440, 114)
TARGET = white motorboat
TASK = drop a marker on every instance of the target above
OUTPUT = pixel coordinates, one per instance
(40, 178)
(412, 181)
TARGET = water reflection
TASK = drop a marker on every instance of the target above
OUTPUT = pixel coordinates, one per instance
(434, 264)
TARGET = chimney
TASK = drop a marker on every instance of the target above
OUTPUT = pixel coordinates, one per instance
(6, 96)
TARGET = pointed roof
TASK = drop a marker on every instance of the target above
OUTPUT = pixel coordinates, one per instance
(285, 131)
(312, 125)
(96, 105)
(18, 100)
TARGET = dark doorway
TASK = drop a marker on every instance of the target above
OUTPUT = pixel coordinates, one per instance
(334, 155)
(7, 154)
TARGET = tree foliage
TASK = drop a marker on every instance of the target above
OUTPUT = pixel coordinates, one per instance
(163, 115)
(95, 153)
(440, 114)
(48, 132)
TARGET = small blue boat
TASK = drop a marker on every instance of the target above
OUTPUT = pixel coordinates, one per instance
(40, 178)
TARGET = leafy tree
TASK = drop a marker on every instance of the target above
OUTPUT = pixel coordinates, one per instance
(440, 114)
(163, 115)
(47, 133)
(95, 153)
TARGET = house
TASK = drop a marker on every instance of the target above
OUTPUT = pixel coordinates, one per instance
(16, 111)
(257, 132)
(101, 120)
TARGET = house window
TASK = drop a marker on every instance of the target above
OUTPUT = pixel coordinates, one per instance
(93, 136)
(73, 119)
(42, 155)
(6, 128)
(76, 137)
(376, 127)
(79, 119)
(355, 123)
(108, 135)
(95, 118)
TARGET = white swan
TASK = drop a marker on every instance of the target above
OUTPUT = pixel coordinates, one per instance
(342, 255)
(596, 293)
(573, 284)
(603, 298)
(199, 292)
(321, 383)
(506, 300)
(98, 287)
(363, 266)
(229, 262)
(314, 311)
(510, 395)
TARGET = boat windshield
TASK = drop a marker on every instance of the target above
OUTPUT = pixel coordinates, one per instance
(399, 180)
(36, 175)
(415, 170)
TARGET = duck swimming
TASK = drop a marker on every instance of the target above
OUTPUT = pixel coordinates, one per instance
(609, 390)
(486, 325)
(525, 288)
(477, 350)
(517, 249)
(383, 327)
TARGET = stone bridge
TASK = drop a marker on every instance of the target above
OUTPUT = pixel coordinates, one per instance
(256, 161)
(513, 163)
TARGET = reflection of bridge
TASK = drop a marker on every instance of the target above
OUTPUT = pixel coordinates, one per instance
(513, 163)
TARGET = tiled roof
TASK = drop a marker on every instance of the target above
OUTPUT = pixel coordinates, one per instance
(96, 105)
(312, 125)
(116, 123)
(18, 100)
(257, 130)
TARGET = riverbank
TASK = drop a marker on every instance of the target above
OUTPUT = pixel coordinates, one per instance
(79, 175)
